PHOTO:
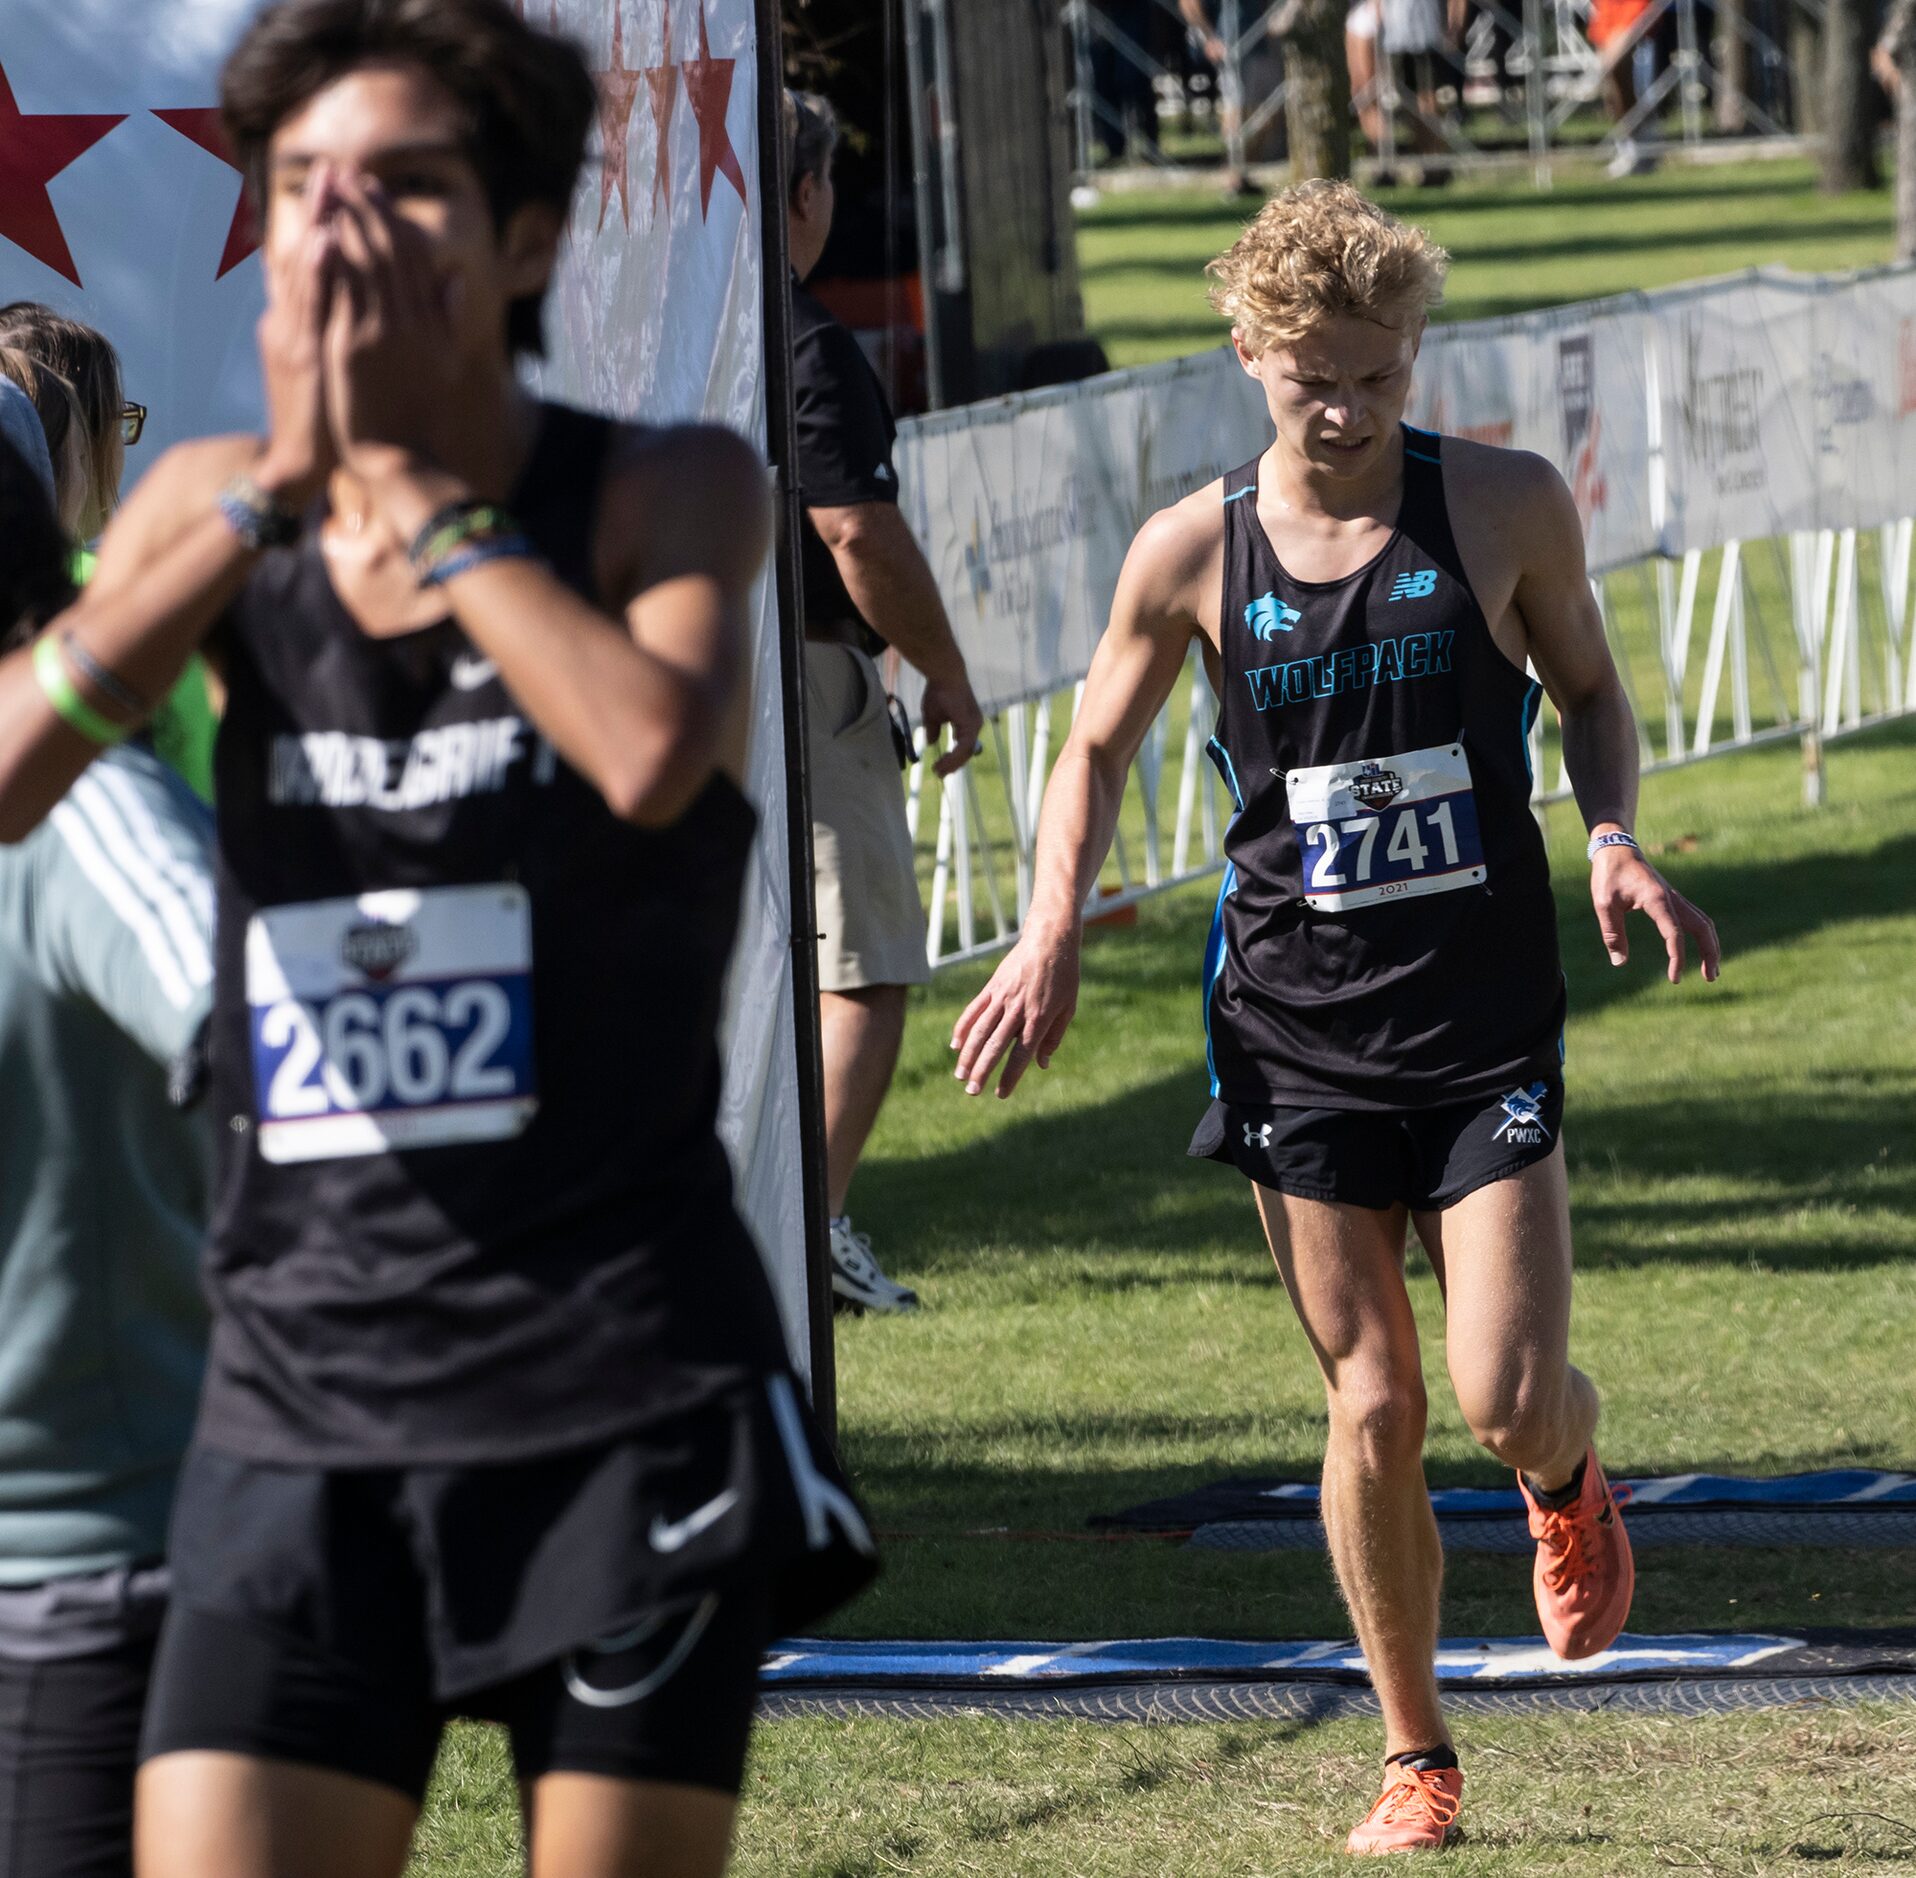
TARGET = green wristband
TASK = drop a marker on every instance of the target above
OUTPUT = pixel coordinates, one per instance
(56, 682)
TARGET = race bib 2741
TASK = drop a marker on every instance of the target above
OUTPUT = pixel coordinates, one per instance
(1388, 828)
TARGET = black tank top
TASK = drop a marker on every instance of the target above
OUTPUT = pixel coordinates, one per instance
(472, 1204)
(1385, 936)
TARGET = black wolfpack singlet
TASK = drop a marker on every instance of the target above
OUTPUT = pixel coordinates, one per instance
(1385, 936)
(472, 1205)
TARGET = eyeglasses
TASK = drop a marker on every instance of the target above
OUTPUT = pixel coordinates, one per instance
(132, 422)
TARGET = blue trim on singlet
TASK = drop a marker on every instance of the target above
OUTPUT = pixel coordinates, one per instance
(1214, 949)
(1411, 430)
(1230, 770)
(1526, 722)
(1249, 489)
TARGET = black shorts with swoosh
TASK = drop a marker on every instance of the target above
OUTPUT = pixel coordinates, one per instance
(1425, 1159)
(609, 1606)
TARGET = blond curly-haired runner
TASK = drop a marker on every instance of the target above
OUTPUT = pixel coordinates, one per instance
(1383, 1000)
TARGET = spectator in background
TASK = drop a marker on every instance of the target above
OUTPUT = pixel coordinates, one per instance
(72, 373)
(1128, 104)
(866, 585)
(1413, 36)
(105, 983)
(1243, 85)
(1620, 31)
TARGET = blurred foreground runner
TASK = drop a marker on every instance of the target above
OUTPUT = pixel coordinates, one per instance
(1382, 994)
(497, 1418)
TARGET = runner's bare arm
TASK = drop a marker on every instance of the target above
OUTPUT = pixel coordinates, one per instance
(169, 564)
(647, 705)
(1572, 657)
(1024, 1010)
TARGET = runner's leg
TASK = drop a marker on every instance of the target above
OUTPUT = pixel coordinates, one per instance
(1343, 1268)
(859, 1035)
(205, 1815)
(592, 1826)
(1503, 1257)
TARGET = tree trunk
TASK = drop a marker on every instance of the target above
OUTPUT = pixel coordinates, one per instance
(1732, 66)
(1317, 100)
(1849, 141)
(1806, 73)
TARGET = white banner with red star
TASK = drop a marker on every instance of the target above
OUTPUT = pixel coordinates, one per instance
(118, 206)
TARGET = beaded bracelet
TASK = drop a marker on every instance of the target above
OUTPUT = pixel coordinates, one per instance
(57, 686)
(260, 520)
(452, 527)
(477, 554)
(108, 684)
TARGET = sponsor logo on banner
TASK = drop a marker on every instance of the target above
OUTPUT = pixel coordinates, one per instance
(1721, 409)
(1491, 430)
(1006, 558)
(1844, 399)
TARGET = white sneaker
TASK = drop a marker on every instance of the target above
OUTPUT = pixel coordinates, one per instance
(856, 1277)
(1624, 163)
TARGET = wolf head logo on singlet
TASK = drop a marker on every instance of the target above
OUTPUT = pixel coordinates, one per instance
(1269, 616)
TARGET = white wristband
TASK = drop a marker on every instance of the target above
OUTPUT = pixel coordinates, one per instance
(1616, 838)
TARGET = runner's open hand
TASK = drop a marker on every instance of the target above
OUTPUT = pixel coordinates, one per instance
(389, 349)
(1622, 881)
(299, 443)
(1025, 1009)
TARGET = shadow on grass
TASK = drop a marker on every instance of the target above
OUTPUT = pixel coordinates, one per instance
(1195, 205)
(1598, 241)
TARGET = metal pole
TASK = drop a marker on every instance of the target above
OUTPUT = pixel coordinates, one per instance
(924, 191)
(1536, 104)
(1691, 67)
(1233, 77)
(782, 445)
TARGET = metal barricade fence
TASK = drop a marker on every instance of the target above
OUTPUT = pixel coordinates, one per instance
(1806, 633)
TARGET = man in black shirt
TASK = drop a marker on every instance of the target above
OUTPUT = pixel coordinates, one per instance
(866, 585)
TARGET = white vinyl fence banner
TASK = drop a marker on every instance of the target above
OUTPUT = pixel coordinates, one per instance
(118, 207)
(1768, 408)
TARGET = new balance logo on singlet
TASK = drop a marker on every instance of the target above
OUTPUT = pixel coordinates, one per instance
(1351, 668)
(1418, 586)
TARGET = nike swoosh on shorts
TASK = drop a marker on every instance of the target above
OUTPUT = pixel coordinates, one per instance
(671, 1535)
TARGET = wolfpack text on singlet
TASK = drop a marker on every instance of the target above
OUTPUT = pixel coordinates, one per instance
(1385, 936)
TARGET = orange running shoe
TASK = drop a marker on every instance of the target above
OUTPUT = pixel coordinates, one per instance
(1585, 1576)
(1417, 1813)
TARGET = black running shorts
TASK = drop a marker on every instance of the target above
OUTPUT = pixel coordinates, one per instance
(1425, 1159)
(608, 1606)
(669, 1699)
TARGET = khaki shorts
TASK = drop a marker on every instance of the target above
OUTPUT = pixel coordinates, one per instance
(871, 922)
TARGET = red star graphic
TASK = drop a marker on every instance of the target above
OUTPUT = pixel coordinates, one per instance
(202, 126)
(618, 87)
(33, 150)
(708, 83)
(662, 82)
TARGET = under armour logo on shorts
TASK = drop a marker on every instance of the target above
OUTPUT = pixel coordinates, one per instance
(1258, 1137)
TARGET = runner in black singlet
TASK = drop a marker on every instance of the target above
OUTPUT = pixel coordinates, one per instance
(1382, 993)
(498, 1419)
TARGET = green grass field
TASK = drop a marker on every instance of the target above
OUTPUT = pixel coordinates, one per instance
(1142, 255)
(1102, 1325)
